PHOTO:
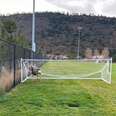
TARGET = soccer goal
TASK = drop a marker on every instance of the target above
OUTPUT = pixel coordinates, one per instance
(94, 69)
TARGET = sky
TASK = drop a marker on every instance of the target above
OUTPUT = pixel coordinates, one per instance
(98, 7)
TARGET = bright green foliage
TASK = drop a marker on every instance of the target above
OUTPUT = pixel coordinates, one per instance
(61, 98)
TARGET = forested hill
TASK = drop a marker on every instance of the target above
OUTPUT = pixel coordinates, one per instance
(56, 32)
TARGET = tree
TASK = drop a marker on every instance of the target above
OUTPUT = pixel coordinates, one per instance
(96, 52)
(9, 33)
(20, 40)
(88, 53)
(8, 29)
(105, 53)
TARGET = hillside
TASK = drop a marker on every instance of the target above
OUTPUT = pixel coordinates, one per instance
(57, 33)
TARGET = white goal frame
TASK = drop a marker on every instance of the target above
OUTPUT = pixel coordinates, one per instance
(105, 72)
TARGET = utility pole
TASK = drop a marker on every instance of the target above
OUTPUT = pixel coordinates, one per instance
(79, 38)
(33, 28)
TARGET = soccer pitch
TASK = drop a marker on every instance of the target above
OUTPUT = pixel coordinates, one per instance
(62, 97)
(70, 68)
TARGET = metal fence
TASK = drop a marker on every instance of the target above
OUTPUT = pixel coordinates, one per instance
(10, 55)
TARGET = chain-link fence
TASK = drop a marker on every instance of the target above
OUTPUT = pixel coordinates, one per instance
(10, 55)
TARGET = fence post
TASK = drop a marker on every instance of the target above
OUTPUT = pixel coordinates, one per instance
(24, 55)
(14, 64)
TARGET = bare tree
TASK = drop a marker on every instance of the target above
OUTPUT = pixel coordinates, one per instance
(96, 52)
(105, 52)
(88, 53)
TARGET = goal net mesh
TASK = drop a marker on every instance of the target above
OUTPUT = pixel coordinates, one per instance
(66, 69)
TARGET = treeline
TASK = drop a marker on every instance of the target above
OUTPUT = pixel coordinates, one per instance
(58, 33)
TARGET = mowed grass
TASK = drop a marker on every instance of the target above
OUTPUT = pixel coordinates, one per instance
(70, 68)
(61, 98)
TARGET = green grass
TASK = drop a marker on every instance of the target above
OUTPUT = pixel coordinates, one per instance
(61, 98)
(70, 68)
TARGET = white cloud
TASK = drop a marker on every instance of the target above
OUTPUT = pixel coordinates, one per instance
(13, 6)
(42, 5)
(75, 6)
(104, 7)
(19, 6)
(109, 8)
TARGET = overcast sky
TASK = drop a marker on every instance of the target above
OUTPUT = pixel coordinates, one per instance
(104, 7)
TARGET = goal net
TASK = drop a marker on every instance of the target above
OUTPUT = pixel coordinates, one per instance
(97, 69)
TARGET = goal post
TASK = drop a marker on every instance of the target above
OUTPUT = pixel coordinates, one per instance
(106, 73)
(94, 69)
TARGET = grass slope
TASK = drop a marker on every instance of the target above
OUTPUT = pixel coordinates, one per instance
(61, 98)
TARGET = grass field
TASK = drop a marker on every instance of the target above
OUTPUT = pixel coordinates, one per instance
(61, 98)
(70, 69)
